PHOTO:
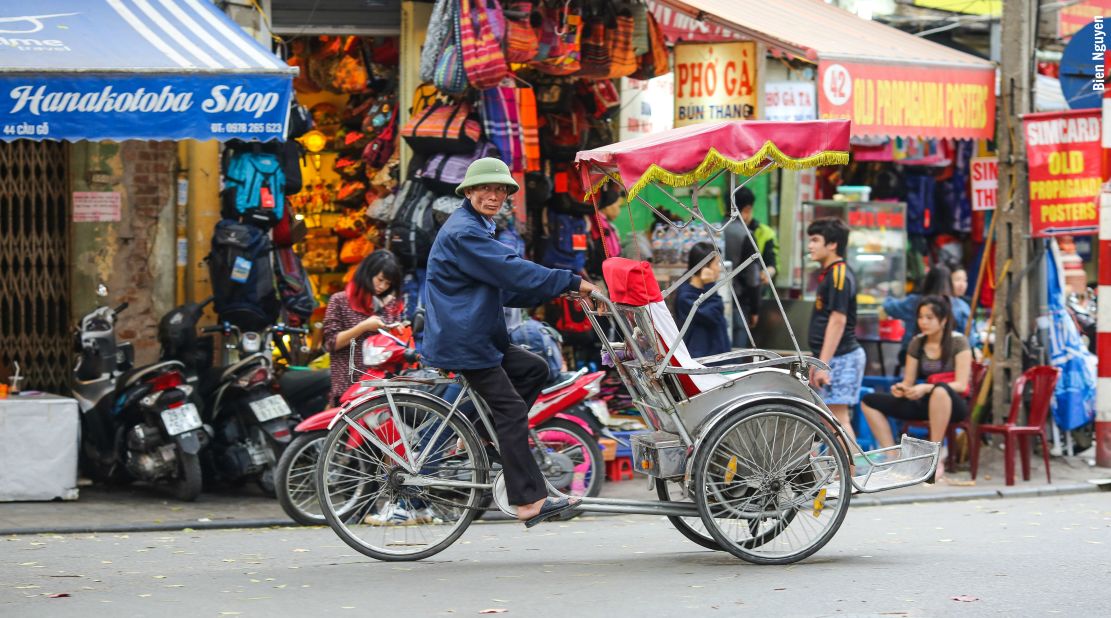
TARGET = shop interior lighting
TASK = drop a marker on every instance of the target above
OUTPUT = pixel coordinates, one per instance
(314, 141)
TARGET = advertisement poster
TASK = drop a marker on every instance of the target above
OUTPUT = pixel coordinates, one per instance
(985, 182)
(714, 81)
(1075, 15)
(1063, 151)
(908, 100)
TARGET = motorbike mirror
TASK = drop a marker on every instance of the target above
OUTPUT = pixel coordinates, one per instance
(418, 321)
(101, 290)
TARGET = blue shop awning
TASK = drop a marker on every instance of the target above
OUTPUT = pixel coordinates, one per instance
(136, 69)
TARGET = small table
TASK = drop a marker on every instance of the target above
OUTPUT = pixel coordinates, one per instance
(41, 435)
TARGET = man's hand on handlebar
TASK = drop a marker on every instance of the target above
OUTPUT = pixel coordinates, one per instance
(586, 288)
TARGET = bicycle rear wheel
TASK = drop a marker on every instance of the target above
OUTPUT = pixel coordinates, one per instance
(403, 516)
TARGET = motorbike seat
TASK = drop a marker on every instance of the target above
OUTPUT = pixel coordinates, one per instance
(298, 385)
(133, 376)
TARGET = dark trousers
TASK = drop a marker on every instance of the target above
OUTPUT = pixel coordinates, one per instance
(509, 391)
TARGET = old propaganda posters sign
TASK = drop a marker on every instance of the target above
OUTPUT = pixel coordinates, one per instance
(1063, 150)
(907, 100)
(714, 81)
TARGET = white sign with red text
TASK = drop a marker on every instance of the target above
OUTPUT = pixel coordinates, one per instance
(790, 101)
(985, 182)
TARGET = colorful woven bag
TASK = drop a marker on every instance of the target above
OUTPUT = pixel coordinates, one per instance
(623, 62)
(442, 127)
(482, 56)
(655, 62)
(501, 120)
(530, 129)
(560, 37)
(521, 42)
(595, 61)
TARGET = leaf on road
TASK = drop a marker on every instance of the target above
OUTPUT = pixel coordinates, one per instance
(494, 610)
(965, 598)
(58, 595)
(160, 577)
(300, 551)
(229, 613)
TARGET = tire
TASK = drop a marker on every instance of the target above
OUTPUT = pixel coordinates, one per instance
(695, 532)
(267, 482)
(188, 486)
(576, 443)
(296, 479)
(457, 455)
(771, 458)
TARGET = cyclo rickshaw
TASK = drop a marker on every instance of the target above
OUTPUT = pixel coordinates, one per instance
(743, 454)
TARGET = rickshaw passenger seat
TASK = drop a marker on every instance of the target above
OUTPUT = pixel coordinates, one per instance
(634, 284)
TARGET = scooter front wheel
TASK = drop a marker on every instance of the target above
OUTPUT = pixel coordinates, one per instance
(403, 511)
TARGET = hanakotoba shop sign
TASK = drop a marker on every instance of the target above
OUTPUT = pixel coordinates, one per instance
(143, 107)
(1063, 150)
(714, 81)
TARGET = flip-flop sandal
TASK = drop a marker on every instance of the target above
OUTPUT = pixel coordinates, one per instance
(550, 509)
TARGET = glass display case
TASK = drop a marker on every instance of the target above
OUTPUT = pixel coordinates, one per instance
(876, 251)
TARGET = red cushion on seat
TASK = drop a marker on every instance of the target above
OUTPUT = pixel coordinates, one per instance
(631, 282)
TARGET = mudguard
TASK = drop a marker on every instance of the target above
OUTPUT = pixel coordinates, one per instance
(190, 442)
(320, 421)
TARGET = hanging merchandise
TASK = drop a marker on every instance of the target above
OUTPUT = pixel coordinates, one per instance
(482, 56)
(920, 203)
(501, 120)
(351, 226)
(423, 96)
(639, 13)
(254, 185)
(444, 206)
(530, 127)
(350, 167)
(1075, 394)
(443, 172)
(605, 98)
(619, 38)
(294, 286)
(352, 194)
(413, 228)
(443, 127)
(355, 249)
(595, 58)
(438, 37)
(299, 57)
(384, 180)
(654, 62)
(560, 33)
(378, 152)
(350, 73)
(521, 42)
(566, 240)
(554, 98)
(242, 276)
(563, 135)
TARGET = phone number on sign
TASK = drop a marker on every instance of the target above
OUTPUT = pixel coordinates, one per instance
(246, 127)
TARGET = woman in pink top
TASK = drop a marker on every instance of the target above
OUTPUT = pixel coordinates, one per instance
(370, 301)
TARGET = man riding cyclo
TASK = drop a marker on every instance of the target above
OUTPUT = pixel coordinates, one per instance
(471, 277)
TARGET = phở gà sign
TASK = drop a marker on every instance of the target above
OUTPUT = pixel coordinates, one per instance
(714, 81)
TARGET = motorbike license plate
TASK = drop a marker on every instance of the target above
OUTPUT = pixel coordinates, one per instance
(270, 408)
(181, 419)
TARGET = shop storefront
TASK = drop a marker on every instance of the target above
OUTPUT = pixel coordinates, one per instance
(98, 98)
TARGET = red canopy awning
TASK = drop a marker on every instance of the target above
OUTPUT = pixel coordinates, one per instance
(687, 155)
(888, 82)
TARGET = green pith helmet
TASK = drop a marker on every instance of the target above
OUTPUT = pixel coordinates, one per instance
(488, 171)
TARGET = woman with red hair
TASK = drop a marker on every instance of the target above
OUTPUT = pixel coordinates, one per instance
(370, 302)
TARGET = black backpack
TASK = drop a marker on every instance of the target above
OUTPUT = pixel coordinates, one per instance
(413, 228)
(242, 272)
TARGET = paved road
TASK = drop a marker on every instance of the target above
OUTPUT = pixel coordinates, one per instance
(1012, 557)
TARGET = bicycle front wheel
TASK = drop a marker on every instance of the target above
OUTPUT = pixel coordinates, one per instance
(404, 513)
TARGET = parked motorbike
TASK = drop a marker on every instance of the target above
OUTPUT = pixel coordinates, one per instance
(137, 422)
(248, 418)
(564, 445)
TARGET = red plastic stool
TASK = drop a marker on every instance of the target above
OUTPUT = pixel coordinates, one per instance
(620, 469)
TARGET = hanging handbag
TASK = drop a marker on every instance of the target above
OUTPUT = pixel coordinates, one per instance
(530, 128)
(595, 59)
(443, 127)
(443, 172)
(619, 39)
(560, 36)
(438, 36)
(521, 41)
(639, 12)
(482, 56)
(350, 226)
(355, 250)
(449, 75)
(378, 152)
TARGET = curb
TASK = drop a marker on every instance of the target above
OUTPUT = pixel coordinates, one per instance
(858, 500)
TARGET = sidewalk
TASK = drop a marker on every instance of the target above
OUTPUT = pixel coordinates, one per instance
(128, 509)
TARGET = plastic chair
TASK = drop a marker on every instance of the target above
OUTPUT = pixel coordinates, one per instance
(1043, 381)
(979, 372)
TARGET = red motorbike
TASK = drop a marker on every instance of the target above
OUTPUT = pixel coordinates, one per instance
(564, 444)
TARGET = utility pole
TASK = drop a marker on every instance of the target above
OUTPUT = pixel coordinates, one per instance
(1013, 298)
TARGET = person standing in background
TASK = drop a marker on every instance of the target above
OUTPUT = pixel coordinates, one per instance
(749, 284)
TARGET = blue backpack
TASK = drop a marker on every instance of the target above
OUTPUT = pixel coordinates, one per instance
(567, 241)
(541, 339)
(259, 183)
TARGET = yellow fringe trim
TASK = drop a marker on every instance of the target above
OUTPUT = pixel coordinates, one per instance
(715, 161)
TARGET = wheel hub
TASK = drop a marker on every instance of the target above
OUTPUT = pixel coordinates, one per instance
(560, 471)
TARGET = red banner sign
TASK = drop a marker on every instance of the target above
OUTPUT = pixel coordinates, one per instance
(915, 101)
(1075, 16)
(1063, 151)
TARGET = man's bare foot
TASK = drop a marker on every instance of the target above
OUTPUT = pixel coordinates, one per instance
(537, 512)
(528, 511)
